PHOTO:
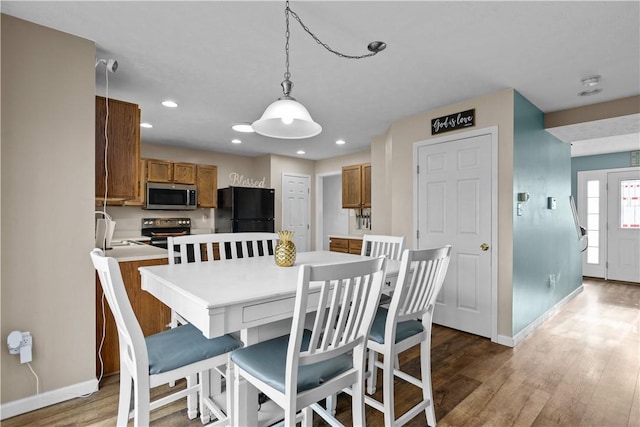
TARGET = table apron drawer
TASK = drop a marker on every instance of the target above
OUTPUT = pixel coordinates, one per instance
(276, 309)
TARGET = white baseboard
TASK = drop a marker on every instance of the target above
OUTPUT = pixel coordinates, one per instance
(504, 340)
(28, 404)
(531, 327)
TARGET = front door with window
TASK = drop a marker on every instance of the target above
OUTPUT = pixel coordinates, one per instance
(623, 248)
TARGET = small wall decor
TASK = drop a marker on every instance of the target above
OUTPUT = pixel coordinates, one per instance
(237, 180)
(463, 119)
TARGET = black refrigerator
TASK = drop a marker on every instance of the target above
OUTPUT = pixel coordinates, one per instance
(245, 209)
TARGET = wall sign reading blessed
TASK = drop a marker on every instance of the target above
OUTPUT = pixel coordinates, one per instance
(237, 180)
(463, 119)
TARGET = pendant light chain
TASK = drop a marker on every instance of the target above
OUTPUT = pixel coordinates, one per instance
(287, 74)
(288, 11)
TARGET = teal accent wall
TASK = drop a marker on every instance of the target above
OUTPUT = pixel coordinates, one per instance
(544, 240)
(597, 162)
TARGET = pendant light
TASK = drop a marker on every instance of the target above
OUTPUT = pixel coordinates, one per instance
(286, 118)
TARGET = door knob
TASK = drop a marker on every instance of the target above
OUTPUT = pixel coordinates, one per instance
(484, 247)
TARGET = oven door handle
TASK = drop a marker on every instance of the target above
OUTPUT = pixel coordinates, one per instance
(155, 234)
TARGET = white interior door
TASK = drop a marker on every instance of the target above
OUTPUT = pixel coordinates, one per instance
(296, 207)
(454, 206)
(623, 243)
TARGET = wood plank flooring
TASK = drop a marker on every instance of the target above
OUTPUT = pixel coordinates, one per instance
(580, 368)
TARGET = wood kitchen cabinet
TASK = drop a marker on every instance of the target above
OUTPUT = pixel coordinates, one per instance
(171, 172)
(141, 198)
(123, 150)
(184, 173)
(159, 171)
(344, 245)
(356, 186)
(152, 315)
(207, 181)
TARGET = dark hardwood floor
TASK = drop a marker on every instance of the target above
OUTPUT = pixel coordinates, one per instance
(580, 368)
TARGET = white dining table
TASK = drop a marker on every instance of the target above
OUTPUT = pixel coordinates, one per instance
(249, 297)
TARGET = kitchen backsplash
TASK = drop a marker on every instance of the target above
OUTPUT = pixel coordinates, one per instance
(129, 219)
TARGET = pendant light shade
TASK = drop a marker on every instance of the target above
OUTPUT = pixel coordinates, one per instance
(287, 119)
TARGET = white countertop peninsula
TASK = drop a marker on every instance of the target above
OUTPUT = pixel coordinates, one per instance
(124, 251)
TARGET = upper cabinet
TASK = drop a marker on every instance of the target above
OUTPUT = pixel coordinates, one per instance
(184, 173)
(207, 186)
(171, 172)
(356, 186)
(159, 171)
(123, 150)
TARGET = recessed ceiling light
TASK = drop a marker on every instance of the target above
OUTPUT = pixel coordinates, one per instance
(591, 81)
(590, 92)
(169, 104)
(341, 142)
(301, 152)
(146, 125)
(236, 141)
(242, 127)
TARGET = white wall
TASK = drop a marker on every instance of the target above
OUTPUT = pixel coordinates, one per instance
(48, 282)
(335, 219)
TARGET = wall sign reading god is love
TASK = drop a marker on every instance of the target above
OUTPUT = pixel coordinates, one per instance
(455, 121)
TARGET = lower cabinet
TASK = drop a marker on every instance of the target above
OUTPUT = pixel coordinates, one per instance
(347, 246)
(152, 315)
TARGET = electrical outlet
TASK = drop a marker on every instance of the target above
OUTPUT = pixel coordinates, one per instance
(21, 343)
(26, 340)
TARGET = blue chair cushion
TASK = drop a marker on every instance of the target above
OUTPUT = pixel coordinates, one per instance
(184, 345)
(267, 361)
(404, 330)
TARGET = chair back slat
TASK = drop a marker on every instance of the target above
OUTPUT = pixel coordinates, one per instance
(343, 298)
(230, 246)
(422, 273)
(379, 245)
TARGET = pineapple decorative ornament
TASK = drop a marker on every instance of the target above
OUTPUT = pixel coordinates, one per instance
(285, 251)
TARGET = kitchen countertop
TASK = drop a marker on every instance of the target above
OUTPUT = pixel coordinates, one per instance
(123, 252)
(345, 237)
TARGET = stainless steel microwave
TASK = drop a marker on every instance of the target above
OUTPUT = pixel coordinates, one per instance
(171, 196)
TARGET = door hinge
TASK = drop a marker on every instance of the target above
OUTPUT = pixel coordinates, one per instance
(418, 169)
(417, 234)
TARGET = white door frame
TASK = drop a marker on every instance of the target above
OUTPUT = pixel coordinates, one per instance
(493, 132)
(603, 176)
(319, 211)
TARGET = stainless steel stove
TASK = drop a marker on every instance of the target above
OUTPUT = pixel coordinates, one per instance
(158, 229)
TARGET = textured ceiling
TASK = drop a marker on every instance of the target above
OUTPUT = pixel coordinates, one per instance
(222, 62)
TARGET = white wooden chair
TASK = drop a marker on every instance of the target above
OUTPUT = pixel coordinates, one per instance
(395, 330)
(160, 358)
(378, 245)
(300, 369)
